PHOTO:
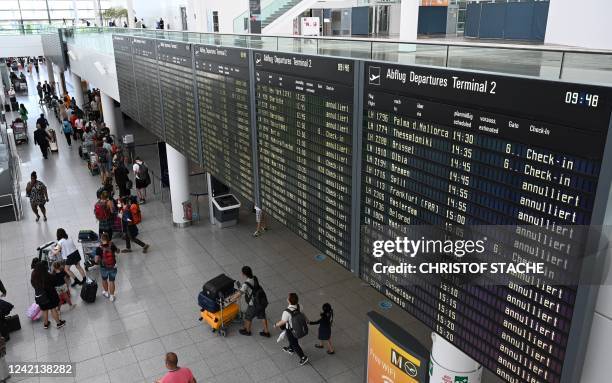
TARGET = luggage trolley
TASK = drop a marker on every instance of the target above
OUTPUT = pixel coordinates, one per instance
(218, 303)
(89, 242)
(53, 142)
(20, 131)
(45, 253)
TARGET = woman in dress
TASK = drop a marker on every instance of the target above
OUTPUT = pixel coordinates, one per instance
(45, 294)
(37, 191)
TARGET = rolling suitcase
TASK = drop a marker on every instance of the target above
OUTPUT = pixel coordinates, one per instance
(206, 303)
(88, 235)
(222, 317)
(89, 290)
(219, 286)
(12, 323)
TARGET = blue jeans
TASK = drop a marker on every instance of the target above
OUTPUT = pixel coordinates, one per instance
(109, 274)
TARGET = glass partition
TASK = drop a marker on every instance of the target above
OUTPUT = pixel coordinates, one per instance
(345, 48)
(409, 54)
(536, 63)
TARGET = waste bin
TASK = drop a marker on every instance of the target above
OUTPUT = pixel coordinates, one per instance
(225, 210)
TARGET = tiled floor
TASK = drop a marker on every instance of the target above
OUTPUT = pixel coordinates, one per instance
(156, 309)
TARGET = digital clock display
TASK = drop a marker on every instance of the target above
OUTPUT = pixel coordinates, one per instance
(582, 99)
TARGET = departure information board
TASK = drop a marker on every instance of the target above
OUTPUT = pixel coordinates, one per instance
(454, 149)
(178, 98)
(146, 73)
(304, 127)
(125, 75)
(222, 77)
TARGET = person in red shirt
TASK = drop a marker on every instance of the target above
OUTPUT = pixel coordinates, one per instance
(175, 373)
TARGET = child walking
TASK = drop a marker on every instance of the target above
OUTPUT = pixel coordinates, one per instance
(325, 323)
(61, 280)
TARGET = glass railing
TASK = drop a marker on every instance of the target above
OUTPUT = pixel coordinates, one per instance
(26, 29)
(569, 64)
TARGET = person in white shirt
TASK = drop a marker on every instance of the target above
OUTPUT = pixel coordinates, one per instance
(141, 175)
(285, 323)
(71, 255)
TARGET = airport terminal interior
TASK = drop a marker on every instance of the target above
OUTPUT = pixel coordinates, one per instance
(342, 191)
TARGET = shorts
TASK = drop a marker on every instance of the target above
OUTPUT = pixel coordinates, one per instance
(73, 259)
(35, 205)
(141, 184)
(253, 312)
(109, 274)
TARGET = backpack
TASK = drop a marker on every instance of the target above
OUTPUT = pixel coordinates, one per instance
(101, 211)
(260, 300)
(136, 214)
(298, 323)
(108, 258)
(103, 155)
(143, 171)
(67, 128)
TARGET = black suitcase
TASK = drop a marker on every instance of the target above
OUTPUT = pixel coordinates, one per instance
(206, 303)
(89, 290)
(12, 323)
(221, 285)
(88, 235)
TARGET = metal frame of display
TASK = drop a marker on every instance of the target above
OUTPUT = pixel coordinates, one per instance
(583, 309)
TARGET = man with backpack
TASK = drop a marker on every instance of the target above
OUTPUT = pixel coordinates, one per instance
(256, 300)
(295, 324)
(141, 172)
(130, 218)
(103, 210)
(106, 257)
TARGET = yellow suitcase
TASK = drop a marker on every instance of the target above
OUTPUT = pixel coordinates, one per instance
(230, 313)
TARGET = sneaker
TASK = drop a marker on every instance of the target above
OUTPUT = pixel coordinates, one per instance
(288, 350)
(145, 248)
(303, 360)
(244, 332)
(106, 294)
(37, 218)
(46, 325)
(264, 334)
(112, 298)
(317, 345)
(126, 250)
(257, 233)
(61, 324)
(331, 352)
(45, 219)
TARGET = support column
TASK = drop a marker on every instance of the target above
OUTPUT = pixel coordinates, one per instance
(108, 113)
(409, 20)
(78, 89)
(50, 73)
(130, 9)
(448, 361)
(178, 175)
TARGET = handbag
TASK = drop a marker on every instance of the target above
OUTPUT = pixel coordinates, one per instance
(5, 307)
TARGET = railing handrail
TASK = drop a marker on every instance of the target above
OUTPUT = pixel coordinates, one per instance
(542, 48)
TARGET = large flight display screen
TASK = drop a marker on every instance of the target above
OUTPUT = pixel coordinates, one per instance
(222, 77)
(146, 73)
(125, 75)
(178, 98)
(460, 150)
(304, 128)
